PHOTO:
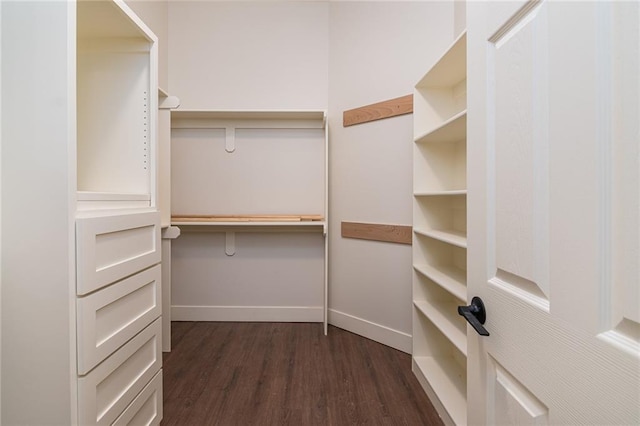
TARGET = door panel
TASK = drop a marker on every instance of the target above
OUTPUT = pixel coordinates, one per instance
(553, 203)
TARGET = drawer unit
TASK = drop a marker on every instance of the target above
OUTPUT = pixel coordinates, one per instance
(108, 318)
(146, 409)
(109, 248)
(106, 391)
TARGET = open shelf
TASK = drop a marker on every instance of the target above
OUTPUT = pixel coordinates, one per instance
(448, 381)
(452, 130)
(453, 237)
(117, 99)
(243, 183)
(444, 316)
(450, 278)
(440, 96)
(447, 213)
(440, 167)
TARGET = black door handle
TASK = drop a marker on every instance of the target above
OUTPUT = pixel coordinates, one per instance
(475, 315)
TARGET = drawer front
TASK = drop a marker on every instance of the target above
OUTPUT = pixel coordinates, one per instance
(108, 318)
(109, 248)
(108, 389)
(146, 409)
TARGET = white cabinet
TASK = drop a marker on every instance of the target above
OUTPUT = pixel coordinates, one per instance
(81, 228)
(249, 192)
(440, 233)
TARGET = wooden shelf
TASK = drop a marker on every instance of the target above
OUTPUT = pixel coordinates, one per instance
(454, 129)
(444, 315)
(448, 381)
(247, 119)
(455, 238)
(450, 278)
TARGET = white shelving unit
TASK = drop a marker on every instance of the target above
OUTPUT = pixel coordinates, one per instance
(264, 176)
(84, 287)
(440, 233)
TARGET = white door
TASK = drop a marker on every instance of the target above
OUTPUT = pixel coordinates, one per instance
(554, 195)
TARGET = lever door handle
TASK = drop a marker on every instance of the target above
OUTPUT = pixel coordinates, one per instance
(475, 315)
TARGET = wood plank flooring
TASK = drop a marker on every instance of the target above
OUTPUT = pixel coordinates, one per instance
(287, 374)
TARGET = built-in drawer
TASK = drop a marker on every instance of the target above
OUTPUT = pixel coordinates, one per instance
(109, 248)
(108, 389)
(146, 409)
(108, 318)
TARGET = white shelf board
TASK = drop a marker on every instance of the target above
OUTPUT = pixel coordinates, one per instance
(448, 381)
(444, 315)
(452, 130)
(450, 68)
(455, 238)
(110, 196)
(439, 193)
(450, 278)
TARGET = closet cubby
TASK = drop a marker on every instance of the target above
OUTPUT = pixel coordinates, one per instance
(116, 95)
(440, 232)
(245, 185)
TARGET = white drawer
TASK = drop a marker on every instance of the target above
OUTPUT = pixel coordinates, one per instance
(108, 389)
(146, 409)
(109, 248)
(108, 318)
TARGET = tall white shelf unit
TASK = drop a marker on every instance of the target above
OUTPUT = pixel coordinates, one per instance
(245, 179)
(81, 301)
(439, 226)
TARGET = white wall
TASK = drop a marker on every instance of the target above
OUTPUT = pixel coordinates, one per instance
(378, 51)
(319, 55)
(249, 55)
(154, 13)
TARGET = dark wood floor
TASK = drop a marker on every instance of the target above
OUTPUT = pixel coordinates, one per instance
(287, 374)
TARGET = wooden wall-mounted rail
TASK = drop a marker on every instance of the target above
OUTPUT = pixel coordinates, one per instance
(400, 234)
(378, 111)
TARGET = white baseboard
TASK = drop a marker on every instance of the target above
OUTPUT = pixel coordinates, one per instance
(381, 334)
(248, 313)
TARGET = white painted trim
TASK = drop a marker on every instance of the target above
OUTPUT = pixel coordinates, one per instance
(377, 332)
(247, 313)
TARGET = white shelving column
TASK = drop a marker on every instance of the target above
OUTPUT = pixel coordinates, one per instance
(81, 226)
(440, 240)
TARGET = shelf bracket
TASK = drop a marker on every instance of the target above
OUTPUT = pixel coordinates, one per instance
(230, 139)
(230, 243)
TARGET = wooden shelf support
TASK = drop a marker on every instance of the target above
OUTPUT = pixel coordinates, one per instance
(400, 234)
(378, 111)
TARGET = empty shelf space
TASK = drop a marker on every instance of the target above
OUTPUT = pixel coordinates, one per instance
(450, 278)
(450, 68)
(444, 315)
(454, 129)
(448, 381)
(457, 238)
